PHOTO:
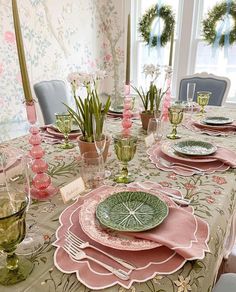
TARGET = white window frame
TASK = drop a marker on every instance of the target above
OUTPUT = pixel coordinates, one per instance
(185, 51)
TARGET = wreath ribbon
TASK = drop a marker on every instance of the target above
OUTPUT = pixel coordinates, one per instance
(156, 27)
(150, 25)
(224, 24)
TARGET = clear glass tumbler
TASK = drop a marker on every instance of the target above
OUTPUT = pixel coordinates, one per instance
(92, 169)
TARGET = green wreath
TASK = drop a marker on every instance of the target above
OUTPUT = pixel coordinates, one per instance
(165, 12)
(217, 13)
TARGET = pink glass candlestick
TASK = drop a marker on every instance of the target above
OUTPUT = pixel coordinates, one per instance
(41, 189)
(167, 101)
(127, 113)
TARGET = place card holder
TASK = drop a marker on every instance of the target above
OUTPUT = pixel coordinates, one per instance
(72, 190)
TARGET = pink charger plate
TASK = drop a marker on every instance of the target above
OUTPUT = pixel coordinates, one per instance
(168, 150)
(55, 133)
(216, 131)
(226, 127)
(155, 152)
(149, 263)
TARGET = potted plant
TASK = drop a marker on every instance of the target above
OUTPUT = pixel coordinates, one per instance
(88, 110)
(151, 99)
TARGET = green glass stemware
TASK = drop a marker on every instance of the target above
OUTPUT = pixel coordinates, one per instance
(64, 125)
(203, 99)
(175, 114)
(125, 148)
(12, 232)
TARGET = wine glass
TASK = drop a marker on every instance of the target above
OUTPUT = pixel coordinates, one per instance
(190, 94)
(175, 113)
(125, 148)
(100, 136)
(64, 125)
(203, 99)
(14, 201)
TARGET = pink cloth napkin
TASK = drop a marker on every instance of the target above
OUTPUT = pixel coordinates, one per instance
(223, 154)
(181, 231)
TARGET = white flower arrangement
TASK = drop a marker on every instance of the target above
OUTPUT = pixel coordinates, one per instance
(89, 106)
(84, 79)
(152, 71)
(152, 98)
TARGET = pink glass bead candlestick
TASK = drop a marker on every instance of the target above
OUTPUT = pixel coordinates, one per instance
(167, 101)
(127, 113)
(41, 188)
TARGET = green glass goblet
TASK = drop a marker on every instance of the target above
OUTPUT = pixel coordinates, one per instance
(125, 148)
(64, 125)
(12, 232)
(175, 114)
(203, 99)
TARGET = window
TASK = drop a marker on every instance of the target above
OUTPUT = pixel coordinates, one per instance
(191, 53)
(214, 62)
(142, 52)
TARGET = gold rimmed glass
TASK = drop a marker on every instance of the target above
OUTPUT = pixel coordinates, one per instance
(64, 125)
(125, 148)
(175, 113)
(203, 99)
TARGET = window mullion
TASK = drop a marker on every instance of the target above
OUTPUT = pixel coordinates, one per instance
(183, 45)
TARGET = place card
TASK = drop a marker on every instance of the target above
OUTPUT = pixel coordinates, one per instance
(149, 140)
(72, 190)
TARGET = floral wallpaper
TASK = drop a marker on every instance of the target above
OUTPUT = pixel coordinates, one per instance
(59, 37)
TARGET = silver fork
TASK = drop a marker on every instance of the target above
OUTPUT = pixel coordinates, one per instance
(71, 237)
(79, 255)
(173, 164)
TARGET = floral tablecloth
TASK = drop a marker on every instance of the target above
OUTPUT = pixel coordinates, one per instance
(213, 198)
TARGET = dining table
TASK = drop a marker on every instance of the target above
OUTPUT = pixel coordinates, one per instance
(212, 197)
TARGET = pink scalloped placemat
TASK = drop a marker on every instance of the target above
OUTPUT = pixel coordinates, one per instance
(155, 153)
(148, 262)
(209, 130)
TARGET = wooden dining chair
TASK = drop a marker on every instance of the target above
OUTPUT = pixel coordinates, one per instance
(217, 85)
(51, 95)
(226, 283)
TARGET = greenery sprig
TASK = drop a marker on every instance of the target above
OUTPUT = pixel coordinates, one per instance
(217, 13)
(145, 24)
(151, 99)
